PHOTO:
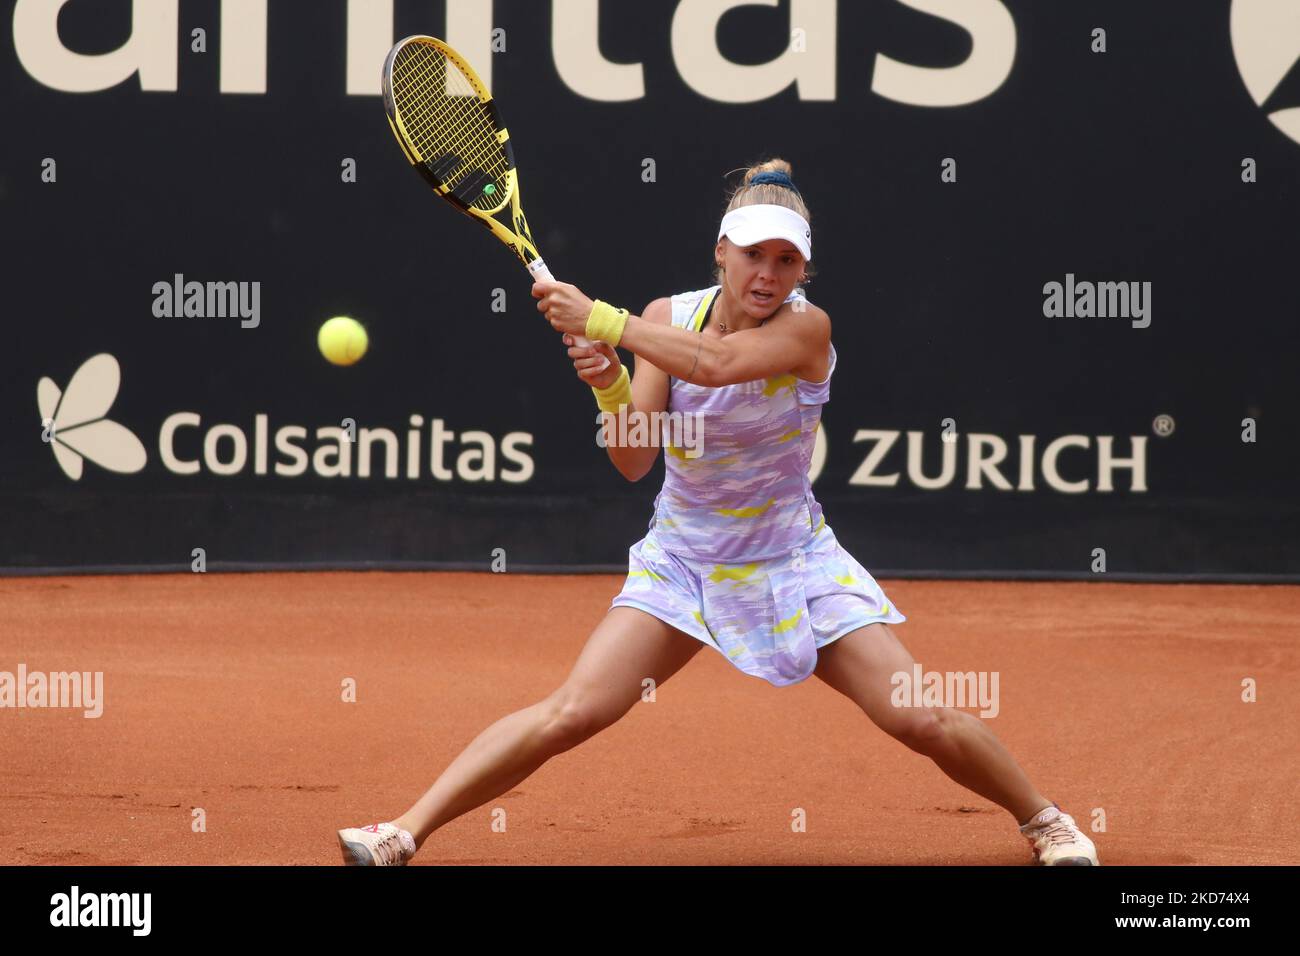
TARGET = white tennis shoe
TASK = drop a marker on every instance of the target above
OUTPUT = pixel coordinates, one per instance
(1057, 841)
(380, 844)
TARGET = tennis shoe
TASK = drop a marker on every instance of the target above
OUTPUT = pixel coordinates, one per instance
(380, 844)
(1057, 841)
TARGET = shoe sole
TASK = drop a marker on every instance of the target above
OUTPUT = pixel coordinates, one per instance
(355, 854)
(1073, 861)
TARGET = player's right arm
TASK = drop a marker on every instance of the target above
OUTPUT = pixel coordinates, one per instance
(650, 391)
(649, 395)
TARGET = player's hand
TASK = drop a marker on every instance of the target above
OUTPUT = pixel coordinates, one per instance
(564, 306)
(587, 362)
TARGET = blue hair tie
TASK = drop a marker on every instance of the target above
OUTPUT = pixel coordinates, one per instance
(774, 176)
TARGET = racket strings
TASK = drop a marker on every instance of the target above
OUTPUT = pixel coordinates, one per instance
(452, 112)
(445, 120)
(461, 131)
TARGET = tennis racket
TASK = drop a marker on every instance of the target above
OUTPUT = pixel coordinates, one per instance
(451, 131)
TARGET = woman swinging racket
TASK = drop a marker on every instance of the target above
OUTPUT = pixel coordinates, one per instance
(738, 555)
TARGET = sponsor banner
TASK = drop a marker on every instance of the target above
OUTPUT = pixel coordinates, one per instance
(1056, 250)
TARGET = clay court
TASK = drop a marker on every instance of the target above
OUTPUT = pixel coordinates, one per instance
(224, 692)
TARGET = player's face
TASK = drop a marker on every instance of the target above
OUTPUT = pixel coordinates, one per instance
(760, 276)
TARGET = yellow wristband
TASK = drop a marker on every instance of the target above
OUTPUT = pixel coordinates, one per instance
(620, 393)
(606, 323)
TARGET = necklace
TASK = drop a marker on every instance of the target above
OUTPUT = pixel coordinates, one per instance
(708, 314)
(723, 329)
(722, 326)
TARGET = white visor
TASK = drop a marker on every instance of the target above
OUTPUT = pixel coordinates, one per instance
(750, 225)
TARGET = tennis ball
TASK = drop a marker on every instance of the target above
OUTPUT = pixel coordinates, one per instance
(342, 340)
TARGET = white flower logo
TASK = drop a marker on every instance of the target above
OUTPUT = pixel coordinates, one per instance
(76, 423)
(1266, 42)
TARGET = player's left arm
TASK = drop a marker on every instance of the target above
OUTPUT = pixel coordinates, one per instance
(791, 339)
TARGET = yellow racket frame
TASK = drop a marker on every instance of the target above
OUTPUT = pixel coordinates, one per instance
(519, 238)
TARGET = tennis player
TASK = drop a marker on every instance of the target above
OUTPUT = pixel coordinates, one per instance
(738, 555)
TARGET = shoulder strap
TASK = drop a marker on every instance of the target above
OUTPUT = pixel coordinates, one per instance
(702, 310)
(694, 320)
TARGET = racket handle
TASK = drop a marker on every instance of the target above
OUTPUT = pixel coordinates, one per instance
(542, 274)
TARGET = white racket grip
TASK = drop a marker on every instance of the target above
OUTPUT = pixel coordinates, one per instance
(542, 274)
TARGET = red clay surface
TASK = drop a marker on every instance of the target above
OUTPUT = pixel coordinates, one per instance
(223, 691)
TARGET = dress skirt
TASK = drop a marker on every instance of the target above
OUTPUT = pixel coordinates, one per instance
(767, 617)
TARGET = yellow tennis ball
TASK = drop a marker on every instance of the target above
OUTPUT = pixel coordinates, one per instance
(342, 340)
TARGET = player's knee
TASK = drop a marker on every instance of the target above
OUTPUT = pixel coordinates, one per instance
(572, 716)
(921, 729)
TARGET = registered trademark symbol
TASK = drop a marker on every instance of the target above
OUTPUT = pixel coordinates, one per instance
(1163, 425)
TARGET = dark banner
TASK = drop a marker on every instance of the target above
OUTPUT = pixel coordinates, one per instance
(1057, 242)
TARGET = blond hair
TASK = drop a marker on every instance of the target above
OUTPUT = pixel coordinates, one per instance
(771, 194)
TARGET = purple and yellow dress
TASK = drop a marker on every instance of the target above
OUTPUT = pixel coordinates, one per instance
(738, 554)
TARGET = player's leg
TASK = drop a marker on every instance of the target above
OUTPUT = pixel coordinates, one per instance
(625, 648)
(860, 664)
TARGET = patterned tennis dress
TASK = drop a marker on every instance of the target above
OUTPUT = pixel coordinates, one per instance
(738, 554)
